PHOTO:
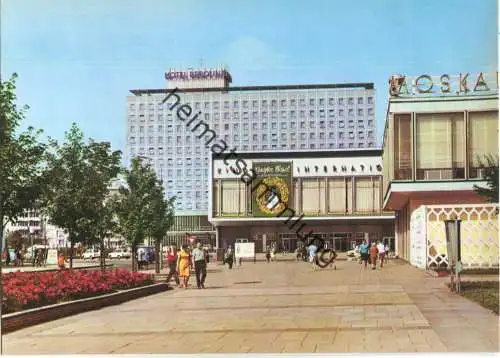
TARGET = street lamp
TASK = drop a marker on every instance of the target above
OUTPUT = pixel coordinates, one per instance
(453, 246)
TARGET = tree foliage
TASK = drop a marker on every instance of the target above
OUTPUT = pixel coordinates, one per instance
(489, 166)
(162, 218)
(21, 158)
(134, 204)
(77, 178)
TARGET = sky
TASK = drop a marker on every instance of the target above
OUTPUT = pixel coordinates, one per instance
(77, 60)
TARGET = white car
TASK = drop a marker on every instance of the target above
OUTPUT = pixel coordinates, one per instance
(91, 255)
(120, 254)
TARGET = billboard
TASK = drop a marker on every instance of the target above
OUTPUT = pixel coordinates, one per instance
(272, 193)
(244, 250)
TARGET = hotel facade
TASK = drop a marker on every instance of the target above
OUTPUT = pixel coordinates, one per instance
(281, 197)
(437, 132)
(249, 118)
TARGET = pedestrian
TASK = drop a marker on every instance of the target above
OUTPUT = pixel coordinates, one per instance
(387, 252)
(200, 265)
(297, 254)
(61, 260)
(229, 257)
(381, 253)
(268, 254)
(273, 253)
(364, 251)
(184, 265)
(7, 256)
(373, 255)
(172, 265)
(312, 250)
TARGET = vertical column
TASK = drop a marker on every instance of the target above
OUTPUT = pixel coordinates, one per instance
(301, 207)
(264, 243)
(217, 234)
(239, 196)
(413, 137)
(467, 143)
(219, 197)
(327, 197)
(353, 194)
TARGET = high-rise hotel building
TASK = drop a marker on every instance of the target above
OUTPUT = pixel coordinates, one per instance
(248, 118)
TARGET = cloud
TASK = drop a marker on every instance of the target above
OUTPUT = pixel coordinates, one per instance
(250, 54)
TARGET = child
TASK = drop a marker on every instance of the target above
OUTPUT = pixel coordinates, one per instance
(373, 255)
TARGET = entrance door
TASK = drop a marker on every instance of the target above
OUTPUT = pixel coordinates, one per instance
(289, 244)
(342, 241)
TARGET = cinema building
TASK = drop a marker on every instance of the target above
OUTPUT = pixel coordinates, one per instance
(278, 197)
(437, 131)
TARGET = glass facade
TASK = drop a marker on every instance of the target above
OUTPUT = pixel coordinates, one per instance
(439, 146)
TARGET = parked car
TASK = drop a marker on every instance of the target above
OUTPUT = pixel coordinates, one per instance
(120, 254)
(91, 255)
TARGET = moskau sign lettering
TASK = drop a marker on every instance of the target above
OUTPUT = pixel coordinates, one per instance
(464, 83)
(195, 75)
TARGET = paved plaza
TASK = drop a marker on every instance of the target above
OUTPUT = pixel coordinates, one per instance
(278, 307)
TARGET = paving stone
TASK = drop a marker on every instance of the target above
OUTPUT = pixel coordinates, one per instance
(293, 310)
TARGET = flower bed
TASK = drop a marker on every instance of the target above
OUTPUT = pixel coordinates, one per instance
(25, 290)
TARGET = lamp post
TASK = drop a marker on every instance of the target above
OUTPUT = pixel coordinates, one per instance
(31, 232)
(453, 245)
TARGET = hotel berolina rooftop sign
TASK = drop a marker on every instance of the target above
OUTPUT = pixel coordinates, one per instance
(196, 74)
(443, 85)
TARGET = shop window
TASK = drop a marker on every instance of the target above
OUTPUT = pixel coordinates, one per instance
(402, 147)
(367, 195)
(483, 140)
(337, 195)
(440, 145)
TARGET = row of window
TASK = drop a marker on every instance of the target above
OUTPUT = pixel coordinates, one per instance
(443, 145)
(274, 103)
(186, 141)
(255, 126)
(191, 205)
(313, 196)
(274, 115)
(246, 147)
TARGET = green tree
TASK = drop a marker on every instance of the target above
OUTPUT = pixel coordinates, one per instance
(162, 218)
(77, 178)
(21, 159)
(489, 166)
(134, 205)
(104, 168)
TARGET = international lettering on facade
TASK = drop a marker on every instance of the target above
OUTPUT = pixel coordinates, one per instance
(463, 83)
(195, 74)
(342, 168)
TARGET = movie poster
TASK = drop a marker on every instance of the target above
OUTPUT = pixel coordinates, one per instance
(272, 191)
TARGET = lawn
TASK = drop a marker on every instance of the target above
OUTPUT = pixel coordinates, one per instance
(483, 292)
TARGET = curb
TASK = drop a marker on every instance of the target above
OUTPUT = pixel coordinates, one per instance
(17, 320)
(437, 274)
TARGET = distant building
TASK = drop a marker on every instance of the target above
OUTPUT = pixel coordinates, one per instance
(287, 118)
(33, 226)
